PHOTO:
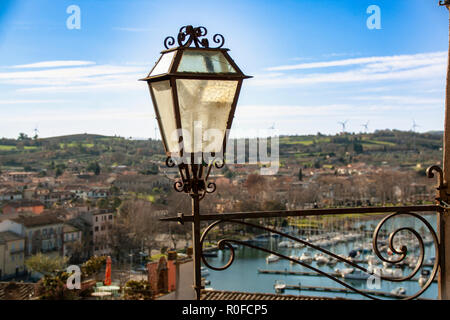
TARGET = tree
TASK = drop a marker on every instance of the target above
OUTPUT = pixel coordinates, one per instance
(94, 167)
(22, 136)
(300, 174)
(138, 290)
(44, 264)
(54, 288)
(58, 172)
(93, 265)
(358, 147)
(102, 203)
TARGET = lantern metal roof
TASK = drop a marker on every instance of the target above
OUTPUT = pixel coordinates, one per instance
(184, 62)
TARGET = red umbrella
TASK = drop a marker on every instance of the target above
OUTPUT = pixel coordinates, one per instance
(108, 272)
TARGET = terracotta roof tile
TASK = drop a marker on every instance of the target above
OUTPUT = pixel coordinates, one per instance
(236, 295)
(40, 220)
(17, 291)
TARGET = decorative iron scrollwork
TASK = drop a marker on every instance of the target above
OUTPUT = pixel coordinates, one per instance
(189, 35)
(430, 175)
(442, 195)
(195, 176)
(403, 251)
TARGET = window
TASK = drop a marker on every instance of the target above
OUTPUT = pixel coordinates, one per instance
(96, 219)
(96, 228)
(110, 217)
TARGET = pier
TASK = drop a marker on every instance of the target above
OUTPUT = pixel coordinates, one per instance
(309, 273)
(345, 290)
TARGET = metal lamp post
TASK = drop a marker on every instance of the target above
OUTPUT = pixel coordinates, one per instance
(194, 90)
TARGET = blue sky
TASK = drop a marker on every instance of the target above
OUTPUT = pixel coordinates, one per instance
(314, 63)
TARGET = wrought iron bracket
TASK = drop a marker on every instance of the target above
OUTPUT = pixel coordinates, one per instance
(194, 177)
(442, 196)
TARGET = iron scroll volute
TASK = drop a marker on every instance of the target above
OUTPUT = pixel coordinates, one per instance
(189, 35)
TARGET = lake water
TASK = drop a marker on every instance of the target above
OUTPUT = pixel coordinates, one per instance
(243, 274)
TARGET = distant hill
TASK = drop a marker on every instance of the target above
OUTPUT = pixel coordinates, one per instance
(393, 147)
(76, 137)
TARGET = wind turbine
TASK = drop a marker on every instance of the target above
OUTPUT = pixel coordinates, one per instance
(36, 131)
(272, 128)
(343, 123)
(414, 126)
(366, 126)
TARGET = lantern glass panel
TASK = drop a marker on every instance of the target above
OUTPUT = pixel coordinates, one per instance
(204, 62)
(162, 91)
(205, 106)
(163, 64)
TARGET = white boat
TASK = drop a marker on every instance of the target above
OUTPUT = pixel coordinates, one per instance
(357, 275)
(272, 258)
(306, 257)
(342, 272)
(399, 290)
(320, 258)
(279, 286)
(285, 244)
(425, 274)
(298, 245)
(332, 261)
(293, 257)
(204, 271)
(392, 272)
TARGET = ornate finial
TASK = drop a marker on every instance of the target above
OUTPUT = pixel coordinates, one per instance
(188, 35)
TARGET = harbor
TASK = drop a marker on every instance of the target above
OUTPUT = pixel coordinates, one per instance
(256, 271)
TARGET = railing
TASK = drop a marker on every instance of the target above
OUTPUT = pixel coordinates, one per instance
(194, 181)
(400, 253)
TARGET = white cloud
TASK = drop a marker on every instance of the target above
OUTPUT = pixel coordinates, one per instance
(399, 60)
(401, 99)
(54, 64)
(133, 29)
(422, 66)
(16, 101)
(74, 79)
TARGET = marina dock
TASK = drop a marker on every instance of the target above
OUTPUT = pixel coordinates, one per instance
(308, 273)
(345, 290)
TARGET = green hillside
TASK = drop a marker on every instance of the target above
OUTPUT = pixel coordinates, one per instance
(392, 147)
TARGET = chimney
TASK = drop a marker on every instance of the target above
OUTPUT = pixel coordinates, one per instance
(172, 270)
(152, 269)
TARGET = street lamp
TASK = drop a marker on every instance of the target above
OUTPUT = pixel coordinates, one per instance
(195, 89)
